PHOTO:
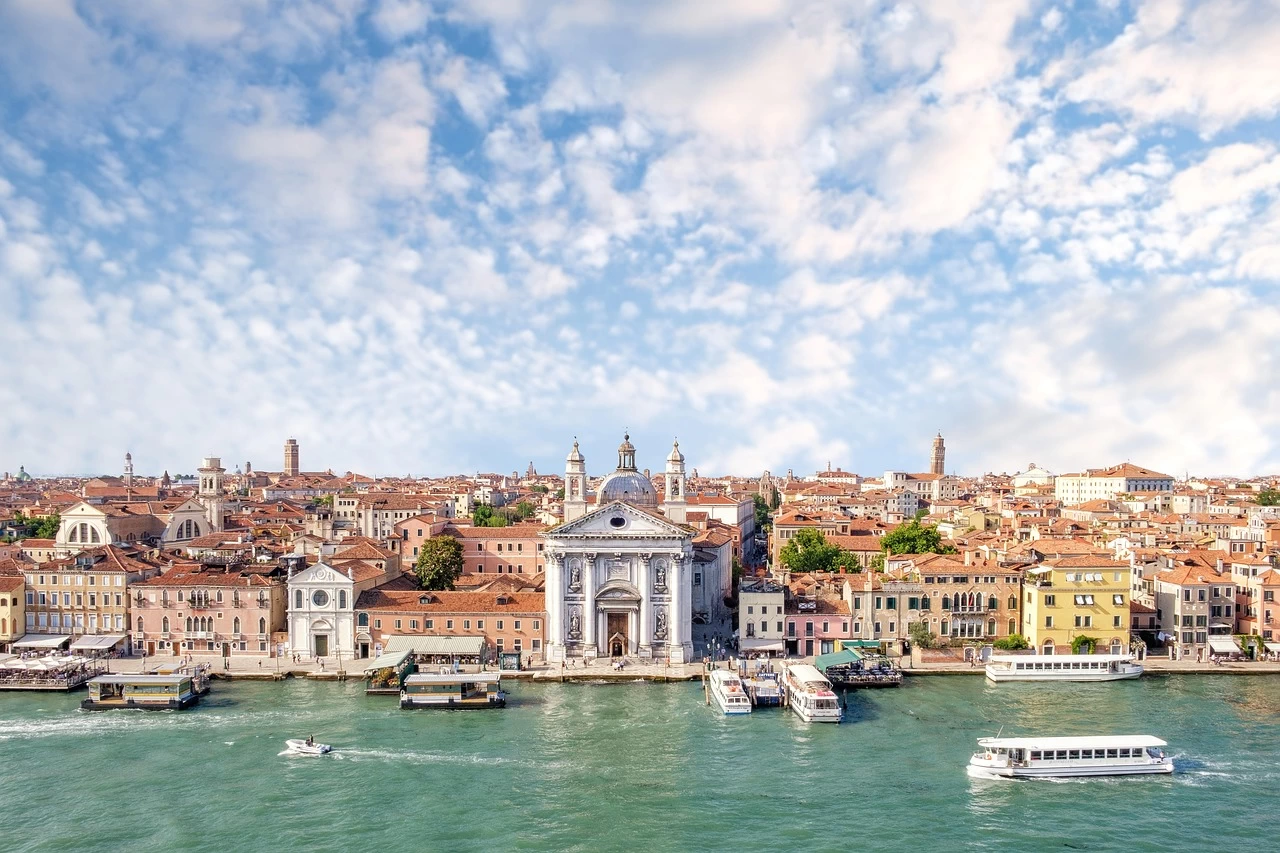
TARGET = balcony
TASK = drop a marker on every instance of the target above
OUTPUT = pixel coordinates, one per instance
(201, 603)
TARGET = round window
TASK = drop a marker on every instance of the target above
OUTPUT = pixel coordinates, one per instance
(320, 598)
(618, 521)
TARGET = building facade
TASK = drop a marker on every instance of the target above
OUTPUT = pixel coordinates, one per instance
(508, 621)
(194, 609)
(1077, 596)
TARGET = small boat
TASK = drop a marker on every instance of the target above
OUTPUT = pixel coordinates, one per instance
(762, 686)
(302, 747)
(1062, 668)
(809, 694)
(448, 689)
(1058, 757)
(727, 690)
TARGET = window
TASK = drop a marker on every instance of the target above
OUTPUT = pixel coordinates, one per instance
(779, 627)
(377, 623)
(992, 604)
(826, 627)
(413, 624)
(946, 602)
(791, 629)
(1050, 601)
(892, 602)
(479, 624)
(537, 624)
(448, 624)
(362, 620)
(925, 603)
(697, 578)
(397, 623)
(1117, 600)
(1048, 621)
(517, 624)
(342, 599)
(431, 623)
(466, 624)
(297, 599)
(500, 624)
(751, 610)
(1115, 622)
(877, 629)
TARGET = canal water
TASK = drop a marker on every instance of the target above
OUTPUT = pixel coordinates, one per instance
(634, 767)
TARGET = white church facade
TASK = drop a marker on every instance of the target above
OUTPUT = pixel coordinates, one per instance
(619, 576)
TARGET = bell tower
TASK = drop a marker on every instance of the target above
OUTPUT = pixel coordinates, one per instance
(938, 457)
(674, 504)
(128, 472)
(210, 492)
(575, 484)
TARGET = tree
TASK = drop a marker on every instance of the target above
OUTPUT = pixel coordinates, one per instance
(40, 526)
(1083, 645)
(326, 500)
(540, 489)
(920, 635)
(914, 538)
(762, 512)
(775, 498)
(525, 510)
(1269, 497)
(439, 563)
(809, 551)
(1012, 643)
(484, 516)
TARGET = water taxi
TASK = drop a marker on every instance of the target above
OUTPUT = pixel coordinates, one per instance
(452, 690)
(1062, 667)
(150, 692)
(726, 688)
(809, 694)
(1056, 757)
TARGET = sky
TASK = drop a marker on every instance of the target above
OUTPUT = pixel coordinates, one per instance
(430, 238)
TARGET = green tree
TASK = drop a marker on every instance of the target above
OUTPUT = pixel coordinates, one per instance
(914, 538)
(1083, 645)
(485, 516)
(540, 489)
(762, 512)
(1269, 497)
(920, 635)
(1012, 643)
(525, 510)
(439, 563)
(560, 493)
(42, 526)
(809, 551)
(775, 498)
(326, 500)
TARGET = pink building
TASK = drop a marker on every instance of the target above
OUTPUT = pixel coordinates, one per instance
(813, 625)
(195, 609)
(513, 550)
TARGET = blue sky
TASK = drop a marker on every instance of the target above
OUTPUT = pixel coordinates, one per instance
(426, 238)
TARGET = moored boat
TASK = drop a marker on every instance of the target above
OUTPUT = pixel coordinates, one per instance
(1062, 667)
(809, 694)
(763, 688)
(726, 688)
(1057, 757)
(453, 690)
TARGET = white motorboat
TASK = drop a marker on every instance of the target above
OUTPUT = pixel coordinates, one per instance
(1062, 667)
(1057, 757)
(726, 688)
(809, 694)
(304, 747)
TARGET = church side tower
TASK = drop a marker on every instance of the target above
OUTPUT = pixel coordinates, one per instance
(674, 504)
(938, 457)
(291, 461)
(210, 492)
(128, 472)
(575, 484)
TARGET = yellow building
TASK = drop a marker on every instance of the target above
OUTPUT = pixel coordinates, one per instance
(1077, 596)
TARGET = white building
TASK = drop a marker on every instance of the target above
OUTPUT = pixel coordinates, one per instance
(931, 487)
(619, 578)
(322, 601)
(1108, 483)
(760, 617)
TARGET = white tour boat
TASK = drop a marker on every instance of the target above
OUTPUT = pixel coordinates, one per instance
(1062, 667)
(728, 692)
(308, 747)
(810, 695)
(1055, 757)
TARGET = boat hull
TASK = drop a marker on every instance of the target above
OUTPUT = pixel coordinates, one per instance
(180, 704)
(301, 747)
(453, 704)
(1001, 676)
(978, 771)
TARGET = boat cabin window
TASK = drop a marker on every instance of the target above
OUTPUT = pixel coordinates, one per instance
(1086, 753)
(1060, 755)
(1073, 754)
(1112, 753)
(1124, 753)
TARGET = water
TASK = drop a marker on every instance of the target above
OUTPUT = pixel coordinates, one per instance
(639, 766)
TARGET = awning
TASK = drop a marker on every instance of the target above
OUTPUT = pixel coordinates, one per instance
(42, 641)
(97, 642)
(860, 644)
(840, 658)
(761, 644)
(388, 661)
(428, 644)
(1224, 646)
(1272, 647)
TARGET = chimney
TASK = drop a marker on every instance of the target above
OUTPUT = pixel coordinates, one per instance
(968, 558)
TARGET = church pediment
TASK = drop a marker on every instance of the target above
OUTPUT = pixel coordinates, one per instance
(319, 573)
(618, 519)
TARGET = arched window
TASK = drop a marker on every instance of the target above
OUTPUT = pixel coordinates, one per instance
(992, 604)
(164, 624)
(991, 627)
(93, 535)
(924, 603)
(235, 625)
(342, 599)
(75, 534)
(141, 630)
(1013, 627)
(297, 599)
(188, 623)
(195, 529)
(946, 602)
(1013, 602)
(262, 625)
(1048, 647)
(363, 620)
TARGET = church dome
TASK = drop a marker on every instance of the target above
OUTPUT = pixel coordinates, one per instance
(630, 487)
(627, 484)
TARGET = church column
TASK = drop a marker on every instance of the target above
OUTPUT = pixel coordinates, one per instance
(644, 634)
(590, 618)
(554, 598)
(675, 628)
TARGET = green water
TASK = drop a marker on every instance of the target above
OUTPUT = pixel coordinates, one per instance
(640, 766)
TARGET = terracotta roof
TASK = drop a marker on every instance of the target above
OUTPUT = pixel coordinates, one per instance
(451, 601)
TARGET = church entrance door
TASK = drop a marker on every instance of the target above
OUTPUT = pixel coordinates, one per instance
(619, 642)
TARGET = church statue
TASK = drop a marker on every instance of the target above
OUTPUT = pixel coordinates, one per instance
(660, 575)
(575, 624)
(575, 574)
(660, 631)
